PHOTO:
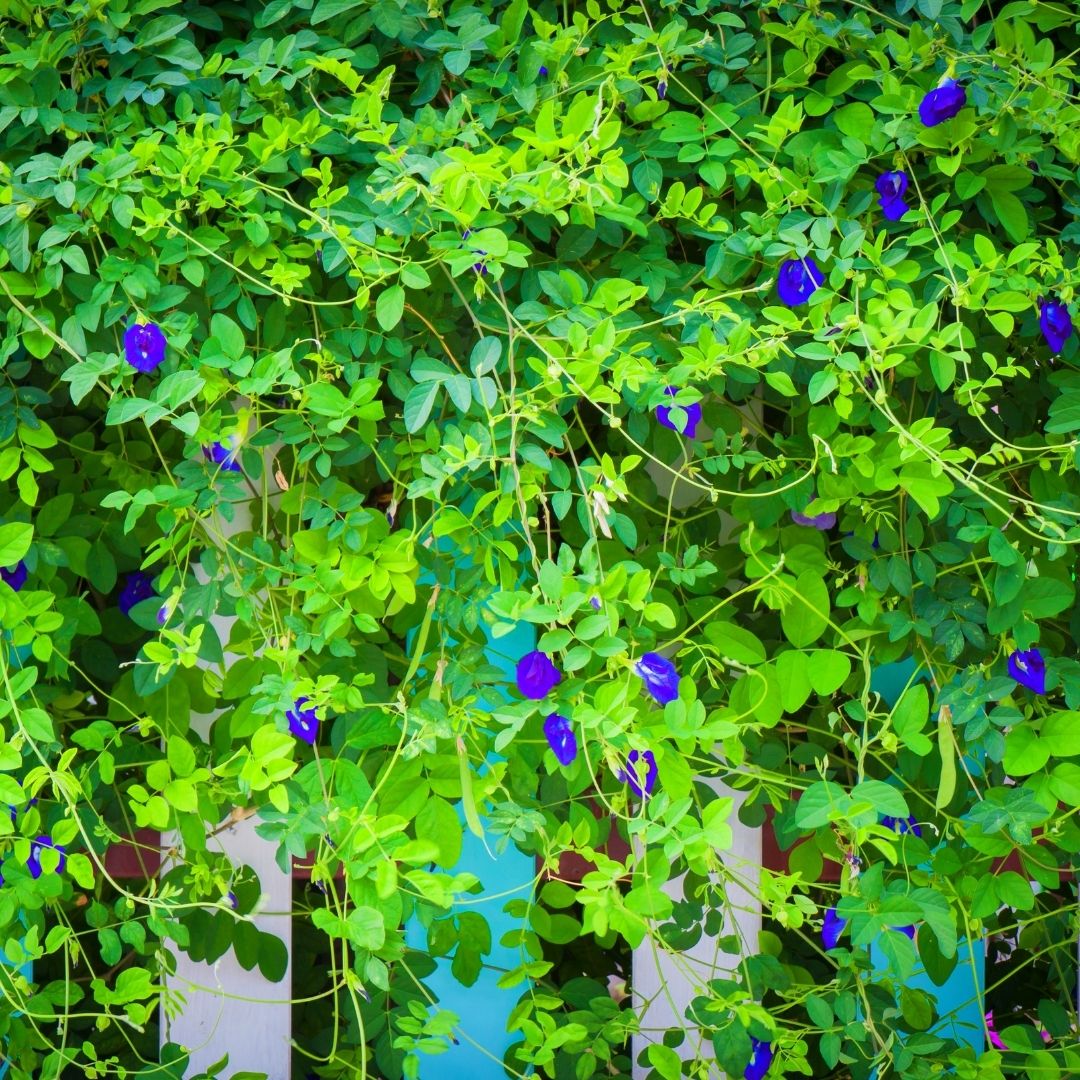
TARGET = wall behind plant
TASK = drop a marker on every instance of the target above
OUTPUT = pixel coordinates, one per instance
(447, 294)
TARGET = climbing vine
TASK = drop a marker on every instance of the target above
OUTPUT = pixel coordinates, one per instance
(725, 351)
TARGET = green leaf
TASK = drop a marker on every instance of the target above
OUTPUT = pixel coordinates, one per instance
(15, 540)
(806, 613)
(418, 405)
(1025, 753)
(389, 308)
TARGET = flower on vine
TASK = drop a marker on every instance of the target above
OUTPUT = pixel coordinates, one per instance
(693, 414)
(661, 91)
(902, 825)
(1055, 323)
(890, 188)
(230, 896)
(224, 455)
(303, 723)
(163, 614)
(33, 864)
(823, 522)
(537, 676)
(595, 601)
(543, 72)
(942, 103)
(15, 576)
(798, 280)
(137, 587)
(1028, 668)
(831, 928)
(660, 677)
(632, 774)
(761, 1055)
(560, 736)
(144, 346)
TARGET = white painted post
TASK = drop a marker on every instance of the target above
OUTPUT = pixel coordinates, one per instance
(229, 1010)
(664, 982)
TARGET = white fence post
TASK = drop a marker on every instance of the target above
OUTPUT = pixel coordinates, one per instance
(664, 982)
(229, 1010)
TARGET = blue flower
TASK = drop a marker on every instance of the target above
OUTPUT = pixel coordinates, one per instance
(561, 738)
(831, 928)
(595, 601)
(661, 91)
(632, 775)
(693, 414)
(890, 188)
(798, 280)
(163, 614)
(15, 576)
(814, 521)
(230, 896)
(543, 72)
(1055, 323)
(761, 1055)
(902, 825)
(137, 587)
(661, 678)
(303, 723)
(223, 455)
(537, 676)
(144, 346)
(943, 103)
(1028, 668)
(33, 864)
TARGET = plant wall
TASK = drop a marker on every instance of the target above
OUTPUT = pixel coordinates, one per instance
(729, 345)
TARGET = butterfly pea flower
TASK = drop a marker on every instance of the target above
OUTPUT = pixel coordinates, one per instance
(1028, 668)
(660, 677)
(537, 676)
(761, 1056)
(942, 103)
(33, 864)
(1055, 323)
(798, 280)
(303, 723)
(137, 587)
(693, 414)
(632, 775)
(595, 601)
(890, 188)
(831, 928)
(163, 614)
(15, 576)
(661, 91)
(561, 738)
(230, 897)
(144, 346)
(543, 72)
(822, 522)
(223, 455)
(902, 825)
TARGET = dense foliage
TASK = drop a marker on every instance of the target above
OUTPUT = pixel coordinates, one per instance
(731, 333)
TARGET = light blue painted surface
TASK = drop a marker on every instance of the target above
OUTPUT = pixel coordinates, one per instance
(483, 1008)
(960, 1002)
